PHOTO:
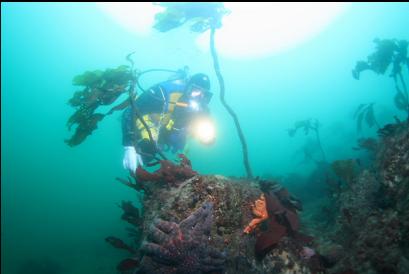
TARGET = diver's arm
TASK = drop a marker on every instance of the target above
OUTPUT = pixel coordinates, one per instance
(151, 101)
(128, 128)
(131, 159)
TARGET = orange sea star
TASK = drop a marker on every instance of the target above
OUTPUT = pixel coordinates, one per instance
(260, 212)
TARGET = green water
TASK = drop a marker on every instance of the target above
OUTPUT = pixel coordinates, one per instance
(60, 202)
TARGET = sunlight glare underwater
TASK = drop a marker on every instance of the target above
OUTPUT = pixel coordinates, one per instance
(251, 30)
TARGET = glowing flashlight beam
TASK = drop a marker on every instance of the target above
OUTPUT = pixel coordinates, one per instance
(205, 131)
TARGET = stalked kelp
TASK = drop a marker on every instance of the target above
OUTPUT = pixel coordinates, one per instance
(369, 144)
(309, 125)
(389, 53)
(366, 147)
(133, 216)
(203, 16)
(100, 88)
(118, 243)
(365, 112)
(206, 16)
(103, 88)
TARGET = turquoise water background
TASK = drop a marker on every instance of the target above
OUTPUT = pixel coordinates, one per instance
(60, 202)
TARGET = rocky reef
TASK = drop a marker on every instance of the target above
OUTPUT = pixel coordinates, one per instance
(192, 223)
(222, 208)
(371, 229)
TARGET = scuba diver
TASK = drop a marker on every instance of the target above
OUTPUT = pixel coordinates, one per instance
(204, 14)
(170, 109)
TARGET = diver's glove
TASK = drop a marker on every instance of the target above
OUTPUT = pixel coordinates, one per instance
(131, 159)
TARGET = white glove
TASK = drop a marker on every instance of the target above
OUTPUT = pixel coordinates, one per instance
(131, 159)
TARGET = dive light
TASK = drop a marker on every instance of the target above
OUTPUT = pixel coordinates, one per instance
(204, 130)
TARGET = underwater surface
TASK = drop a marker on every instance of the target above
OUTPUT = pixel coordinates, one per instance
(59, 203)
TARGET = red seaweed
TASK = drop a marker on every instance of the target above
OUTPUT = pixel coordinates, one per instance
(168, 172)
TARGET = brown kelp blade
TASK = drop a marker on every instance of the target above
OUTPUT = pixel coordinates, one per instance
(101, 88)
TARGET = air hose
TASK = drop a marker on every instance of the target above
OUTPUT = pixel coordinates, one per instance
(151, 70)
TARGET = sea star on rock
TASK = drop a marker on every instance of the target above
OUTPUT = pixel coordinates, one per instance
(184, 247)
(260, 212)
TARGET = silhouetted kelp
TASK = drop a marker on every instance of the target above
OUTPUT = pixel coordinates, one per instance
(202, 15)
(365, 112)
(389, 53)
(308, 125)
(369, 144)
(133, 216)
